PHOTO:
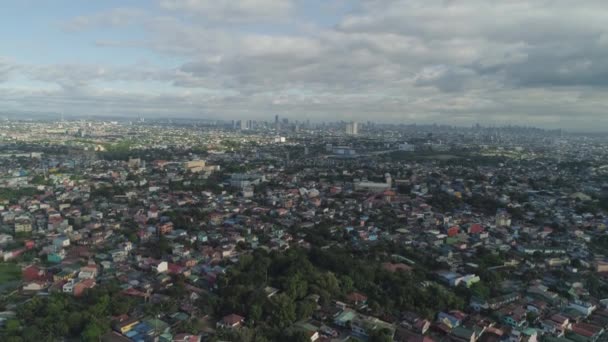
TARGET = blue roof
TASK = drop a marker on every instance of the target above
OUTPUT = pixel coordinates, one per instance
(131, 333)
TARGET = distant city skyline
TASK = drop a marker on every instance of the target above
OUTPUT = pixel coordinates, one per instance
(521, 62)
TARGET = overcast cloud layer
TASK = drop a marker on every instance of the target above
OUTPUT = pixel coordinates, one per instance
(532, 62)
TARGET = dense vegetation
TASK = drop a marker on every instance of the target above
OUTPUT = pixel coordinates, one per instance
(9, 272)
(10, 194)
(330, 274)
(60, 315)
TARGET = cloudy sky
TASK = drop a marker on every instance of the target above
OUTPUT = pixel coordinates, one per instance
(535, 62)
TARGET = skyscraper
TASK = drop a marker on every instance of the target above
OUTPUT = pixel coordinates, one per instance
(352, 128)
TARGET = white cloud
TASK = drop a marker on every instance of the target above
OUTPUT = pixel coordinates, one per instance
(6, 69)
(233, 10)
(425, 60)
(118, 17)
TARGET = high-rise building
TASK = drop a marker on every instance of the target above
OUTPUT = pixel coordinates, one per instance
(503, 219)
(277, 124)
(352, 128)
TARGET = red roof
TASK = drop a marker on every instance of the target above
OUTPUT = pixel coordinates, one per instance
(453, 231)
(458, 314)
(233, 319)
(186, 338)
(587, 330)
(174, 268)
(476, 228)
(559, 319)
(356, 297)
(32, 273)
(133, 292)
(396, 267)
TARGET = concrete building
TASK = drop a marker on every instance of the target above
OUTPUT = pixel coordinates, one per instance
(195, 165)
(352, 128)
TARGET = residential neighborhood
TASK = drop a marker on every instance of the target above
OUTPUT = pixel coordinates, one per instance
(167, 232)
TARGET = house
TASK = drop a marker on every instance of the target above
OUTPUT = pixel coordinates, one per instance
(536, 306)
(69, 286)
(88, 272)
(35, 286)
(493, 303)
(5, 239)
(415, 323)
(556, 325)
(462, 334)
(356, 298)
(118, 255)
(174, 269)
(61, 242)
(514, 316)
(451, 319)
(165, 228)
(585, 308)
(23, 224)
(125, 324)
(476, 229)
(455, 279)
(159, 266)
(113, 336)
(270, 291)
(405, 335)
(585, 332)
(453, 231)
(82, 286)
(33, 273)
(186, 338)
(311, 330)
(343, 318)
(231, 321)
(392, 267)
(524, 335)
(77, 288)
(362, 325)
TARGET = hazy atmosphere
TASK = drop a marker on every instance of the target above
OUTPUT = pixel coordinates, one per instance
(541, 63)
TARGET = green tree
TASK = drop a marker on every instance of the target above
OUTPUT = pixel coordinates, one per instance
(282, 311)
(480, 290)
(13, 327)
(75, 322)
(255, 313)
(297, 336)
(32, 334)
(92, 332)
(304, 309)
(380, 335)
(296, 286)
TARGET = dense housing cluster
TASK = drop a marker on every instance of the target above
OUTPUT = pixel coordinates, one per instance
(253, 231)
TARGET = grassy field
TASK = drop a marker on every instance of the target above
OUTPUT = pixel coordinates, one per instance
(9, 272)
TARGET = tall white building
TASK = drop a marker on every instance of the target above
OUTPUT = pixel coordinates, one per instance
(352, 128)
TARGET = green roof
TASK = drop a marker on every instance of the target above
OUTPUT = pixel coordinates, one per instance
(555, 339)
(576, 337)
(306, 326)
(463, 332)
(157, 324)
(345, 316)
